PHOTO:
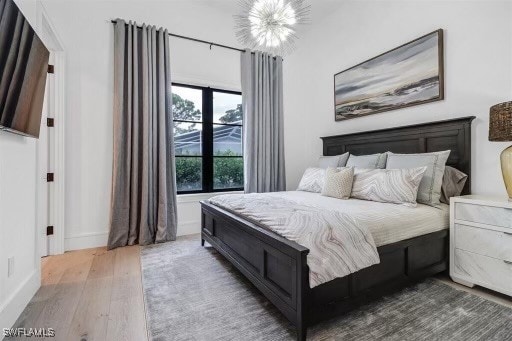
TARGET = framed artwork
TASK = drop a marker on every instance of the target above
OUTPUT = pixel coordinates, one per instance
(408, 75)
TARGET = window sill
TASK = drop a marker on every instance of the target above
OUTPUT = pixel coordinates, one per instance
(196, 197)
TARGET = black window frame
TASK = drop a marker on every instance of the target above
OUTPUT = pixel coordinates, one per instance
(207, 178)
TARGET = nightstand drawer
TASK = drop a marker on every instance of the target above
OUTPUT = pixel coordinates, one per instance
(483, 270)
(484, 242)
(490, 215)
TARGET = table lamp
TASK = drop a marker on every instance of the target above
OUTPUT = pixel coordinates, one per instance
(500, 129)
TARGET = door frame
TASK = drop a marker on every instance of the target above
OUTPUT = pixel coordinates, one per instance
(56, 205)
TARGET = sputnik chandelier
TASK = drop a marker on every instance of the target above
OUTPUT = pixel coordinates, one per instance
(270, 25)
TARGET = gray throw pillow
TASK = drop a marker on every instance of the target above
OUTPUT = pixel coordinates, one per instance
(453, 184)
(397, 186)
(333, 161)
(338, 182)
(367, 161)
(312, 180)
(429, 192)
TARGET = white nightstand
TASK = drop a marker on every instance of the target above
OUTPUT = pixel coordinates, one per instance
(481, 242)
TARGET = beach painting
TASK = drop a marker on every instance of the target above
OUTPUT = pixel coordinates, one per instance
(408, 75)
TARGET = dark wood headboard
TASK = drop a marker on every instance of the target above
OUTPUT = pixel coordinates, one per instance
(453, 134)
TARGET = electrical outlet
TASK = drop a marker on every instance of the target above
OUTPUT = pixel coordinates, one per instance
(10, 266)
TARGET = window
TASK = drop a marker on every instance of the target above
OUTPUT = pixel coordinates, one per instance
(207, 139)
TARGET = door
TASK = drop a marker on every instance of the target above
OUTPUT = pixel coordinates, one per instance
(44, 160)
(52, 149)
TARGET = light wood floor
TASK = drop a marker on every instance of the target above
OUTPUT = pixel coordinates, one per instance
(91, 294)
(96, 294)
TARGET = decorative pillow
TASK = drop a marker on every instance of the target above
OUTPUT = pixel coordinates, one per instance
(312, 180)
(453, 184)
(333, 161)
(372, 161)
(338, 182)
(398, 186)
(430, 187)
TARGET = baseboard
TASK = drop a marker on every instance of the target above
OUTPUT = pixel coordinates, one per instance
(86, 241)
(100, 239)
(16, 303)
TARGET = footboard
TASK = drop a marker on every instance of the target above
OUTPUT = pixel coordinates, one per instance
(275, 265)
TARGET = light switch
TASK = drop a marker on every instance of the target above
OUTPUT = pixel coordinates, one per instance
(10, 266)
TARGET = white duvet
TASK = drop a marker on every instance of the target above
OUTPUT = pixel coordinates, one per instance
(388, 223)
(338, 245)
(342, 235)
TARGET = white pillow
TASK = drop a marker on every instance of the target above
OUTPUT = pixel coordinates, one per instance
(312, 180)
(333, 161)
(398, 186)
(372, 161)
(430, 187)
(338, 182)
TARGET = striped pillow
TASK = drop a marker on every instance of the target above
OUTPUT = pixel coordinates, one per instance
(429, 191)
(312, 180)
(398, 186)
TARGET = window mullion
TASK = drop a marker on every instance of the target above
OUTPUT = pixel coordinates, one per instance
(207, 140)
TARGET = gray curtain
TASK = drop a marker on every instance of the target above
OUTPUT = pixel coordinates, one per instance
(144, 182)
(262, 93)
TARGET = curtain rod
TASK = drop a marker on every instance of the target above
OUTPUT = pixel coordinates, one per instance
(196, 40)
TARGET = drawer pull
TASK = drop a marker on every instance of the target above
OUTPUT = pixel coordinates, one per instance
(508, 262)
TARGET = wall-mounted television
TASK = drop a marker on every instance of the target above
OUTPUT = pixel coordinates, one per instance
(23, 70)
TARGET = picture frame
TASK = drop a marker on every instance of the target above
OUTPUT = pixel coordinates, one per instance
(408, 75)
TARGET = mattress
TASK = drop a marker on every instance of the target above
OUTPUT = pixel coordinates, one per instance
(388, 223)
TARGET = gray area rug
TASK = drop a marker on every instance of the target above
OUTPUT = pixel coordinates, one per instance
(193, 293)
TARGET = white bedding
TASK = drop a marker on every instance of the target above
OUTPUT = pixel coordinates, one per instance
(388, 223)
(338, 245)
(342, 235)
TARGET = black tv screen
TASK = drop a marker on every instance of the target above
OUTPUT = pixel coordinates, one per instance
(23, 70)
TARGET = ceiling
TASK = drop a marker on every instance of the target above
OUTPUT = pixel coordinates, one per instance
(319, 8)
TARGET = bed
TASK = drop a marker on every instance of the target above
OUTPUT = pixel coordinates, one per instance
(278, 267)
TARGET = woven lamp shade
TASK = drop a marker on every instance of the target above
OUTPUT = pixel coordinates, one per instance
(500, 122)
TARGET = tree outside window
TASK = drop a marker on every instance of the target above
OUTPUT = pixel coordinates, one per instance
(208, 139)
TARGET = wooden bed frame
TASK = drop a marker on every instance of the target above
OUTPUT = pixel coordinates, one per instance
(278, 267)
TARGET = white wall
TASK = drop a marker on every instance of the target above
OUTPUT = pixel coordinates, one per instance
(87, 35)
(17, 225)
(18, 212)
(478, 72)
